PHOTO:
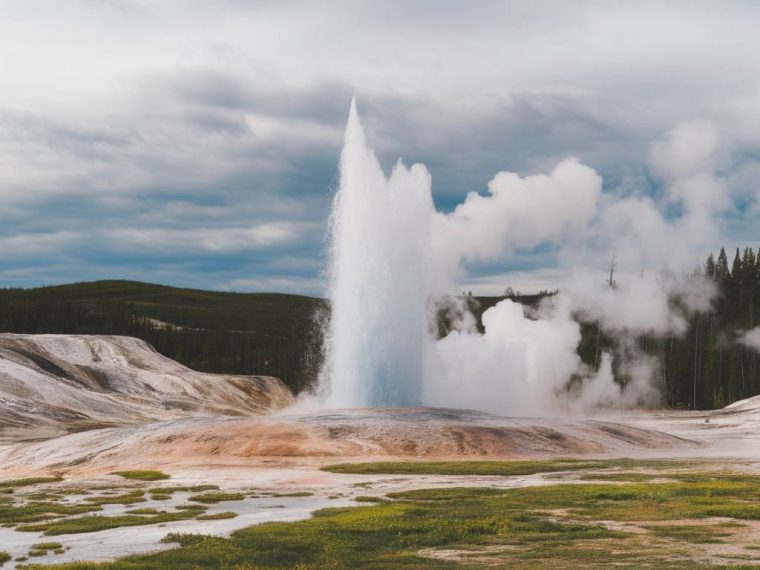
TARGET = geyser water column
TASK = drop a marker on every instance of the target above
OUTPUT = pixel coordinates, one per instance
(380, 251)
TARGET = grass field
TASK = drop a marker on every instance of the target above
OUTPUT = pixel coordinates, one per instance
(142, 475)
(626, 524)
(503, 468)
(94, 523)
(15, 483)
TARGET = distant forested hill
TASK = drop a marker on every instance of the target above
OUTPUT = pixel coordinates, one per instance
(243, 333)
(277, 334)
(236, 333)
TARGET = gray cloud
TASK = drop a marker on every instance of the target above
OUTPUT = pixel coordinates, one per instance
(162, 124)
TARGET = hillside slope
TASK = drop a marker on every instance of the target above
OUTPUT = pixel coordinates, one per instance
(267, 334)
(56, 384)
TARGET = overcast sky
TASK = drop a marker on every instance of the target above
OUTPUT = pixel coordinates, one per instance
(196, 143)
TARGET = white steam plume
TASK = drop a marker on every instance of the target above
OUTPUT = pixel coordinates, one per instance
(392, 253)
(751, 338)
(518, 213)
(515, 367)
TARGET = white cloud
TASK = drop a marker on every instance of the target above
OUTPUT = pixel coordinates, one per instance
(522, 281)
(35, 244)
(686, 150)
(519, 212)
(241, 104)
(280, 284)
(213, 240)
(522, 212)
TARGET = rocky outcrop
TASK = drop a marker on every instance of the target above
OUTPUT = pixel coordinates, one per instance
(51, 385)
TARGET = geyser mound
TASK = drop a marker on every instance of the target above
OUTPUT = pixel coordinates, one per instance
(402, 433)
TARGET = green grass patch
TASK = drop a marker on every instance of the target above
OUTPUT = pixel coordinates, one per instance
(641, 477)
(497, 468)
(40, 497)
(5, 557)
(689, 533)
(216, 497)
(129, 498)
(169, 490)
(44, 548)
(160, 497)
(368, 499)
(15, 483)
(94, 523)
(146, 511)
(39, 511)
(166, 493)
(47, 546)
(217, 516)
(142, 475)
(185, 538)
(191, 507)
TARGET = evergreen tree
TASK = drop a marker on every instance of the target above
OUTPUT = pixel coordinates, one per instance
(736, 269)
(721, 266)
(748, 268)
(710, 267)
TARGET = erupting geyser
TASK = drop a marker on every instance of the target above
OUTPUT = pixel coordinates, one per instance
(394, 257)
(380, 250)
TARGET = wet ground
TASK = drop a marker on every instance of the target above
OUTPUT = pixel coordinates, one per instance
(283, 454)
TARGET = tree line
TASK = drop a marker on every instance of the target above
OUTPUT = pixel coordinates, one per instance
(727, 370)
(281, 335)
(707, 367)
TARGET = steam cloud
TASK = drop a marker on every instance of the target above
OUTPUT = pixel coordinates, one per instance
(393, 252)
(751, 338)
